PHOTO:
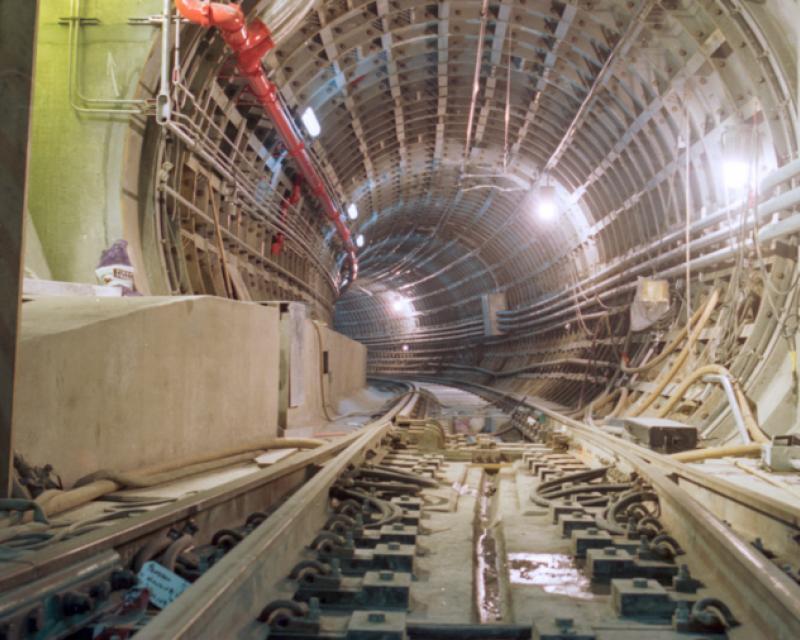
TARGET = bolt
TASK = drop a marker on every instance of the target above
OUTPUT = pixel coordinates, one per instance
(564, 623)
(593, 531)
(682, 612)
(394, 546)
(313, 609)
(640, 583)
(398, 527)
(386, 576)
(376, 617)
(610, 551)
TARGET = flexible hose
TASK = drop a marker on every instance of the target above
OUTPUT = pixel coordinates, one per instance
(694, 376)
(323, 399)
(682, 357)
(548, 498)
(741, 400)
(149, 551)
(622, 403)
(609, 519)
(709, 619)
(667, 350)
(170, 556)
(737, 451)
(578, 476)
(142, 478)
(387, 474)
(390, 513)
(103, 482)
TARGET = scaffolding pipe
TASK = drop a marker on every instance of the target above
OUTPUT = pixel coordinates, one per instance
(733, 402)
(163, 100)
(250, 43)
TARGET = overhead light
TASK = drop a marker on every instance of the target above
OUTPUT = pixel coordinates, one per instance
(546, 206)
(402, 305)
(352, 211)
(311, 123)
(735, 174)
(360, 240)
(405, 347)
(737, 148)
(547, 210)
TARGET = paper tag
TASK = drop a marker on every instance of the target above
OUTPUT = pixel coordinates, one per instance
(162, 584)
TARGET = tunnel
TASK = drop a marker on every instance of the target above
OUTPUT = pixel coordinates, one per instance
(450, 128)
(238, 227)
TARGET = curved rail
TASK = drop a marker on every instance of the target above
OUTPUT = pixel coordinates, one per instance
(132, 532)
(770, 597)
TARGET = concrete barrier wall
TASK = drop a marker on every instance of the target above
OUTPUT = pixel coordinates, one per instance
(347, 366)
(132, 382)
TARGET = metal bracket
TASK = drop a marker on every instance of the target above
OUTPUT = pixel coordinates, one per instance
(154, 20)
(83, 22)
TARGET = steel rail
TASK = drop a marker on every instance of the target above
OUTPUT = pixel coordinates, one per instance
(770, 598)
(231, 594)
(130, 532)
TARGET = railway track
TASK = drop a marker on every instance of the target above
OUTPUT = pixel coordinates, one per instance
(416, 527)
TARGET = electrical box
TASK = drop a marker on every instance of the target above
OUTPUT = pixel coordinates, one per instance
(660, 434)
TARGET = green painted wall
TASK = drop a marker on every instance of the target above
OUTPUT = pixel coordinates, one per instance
(76, 158)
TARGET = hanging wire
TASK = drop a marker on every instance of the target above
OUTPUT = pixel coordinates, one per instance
(508, 103)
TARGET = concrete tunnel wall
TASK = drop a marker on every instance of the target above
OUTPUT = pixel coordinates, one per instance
(125, 383)
(347, 373)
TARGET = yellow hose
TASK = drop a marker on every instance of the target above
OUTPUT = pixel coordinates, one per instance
(103, 482)
(749, 419)
(621, 405)
(682, 357)
(736, 451)
(667, 350)
(714, 369)
(677, 395)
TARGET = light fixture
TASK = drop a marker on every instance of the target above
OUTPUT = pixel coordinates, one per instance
(360, 240)
(352, 211)
(737, 147)
(311, 123)
(405, 347)
(401, 305)
(546, 206)
(735, 174)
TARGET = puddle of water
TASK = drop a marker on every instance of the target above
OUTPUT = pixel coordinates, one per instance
(555, 573)
(464, 489)
(487, 573)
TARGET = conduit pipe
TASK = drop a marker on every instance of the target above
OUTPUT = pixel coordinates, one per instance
(682, 356)
(594, 284)
(667, 350)
(733, 401)
(250, 43)
(745, 420)
(772, 231)
(737, 451)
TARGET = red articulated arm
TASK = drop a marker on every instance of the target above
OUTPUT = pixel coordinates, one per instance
(250, 43)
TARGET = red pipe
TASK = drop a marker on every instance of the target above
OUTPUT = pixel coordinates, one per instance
(293, 199)
(250, 43)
